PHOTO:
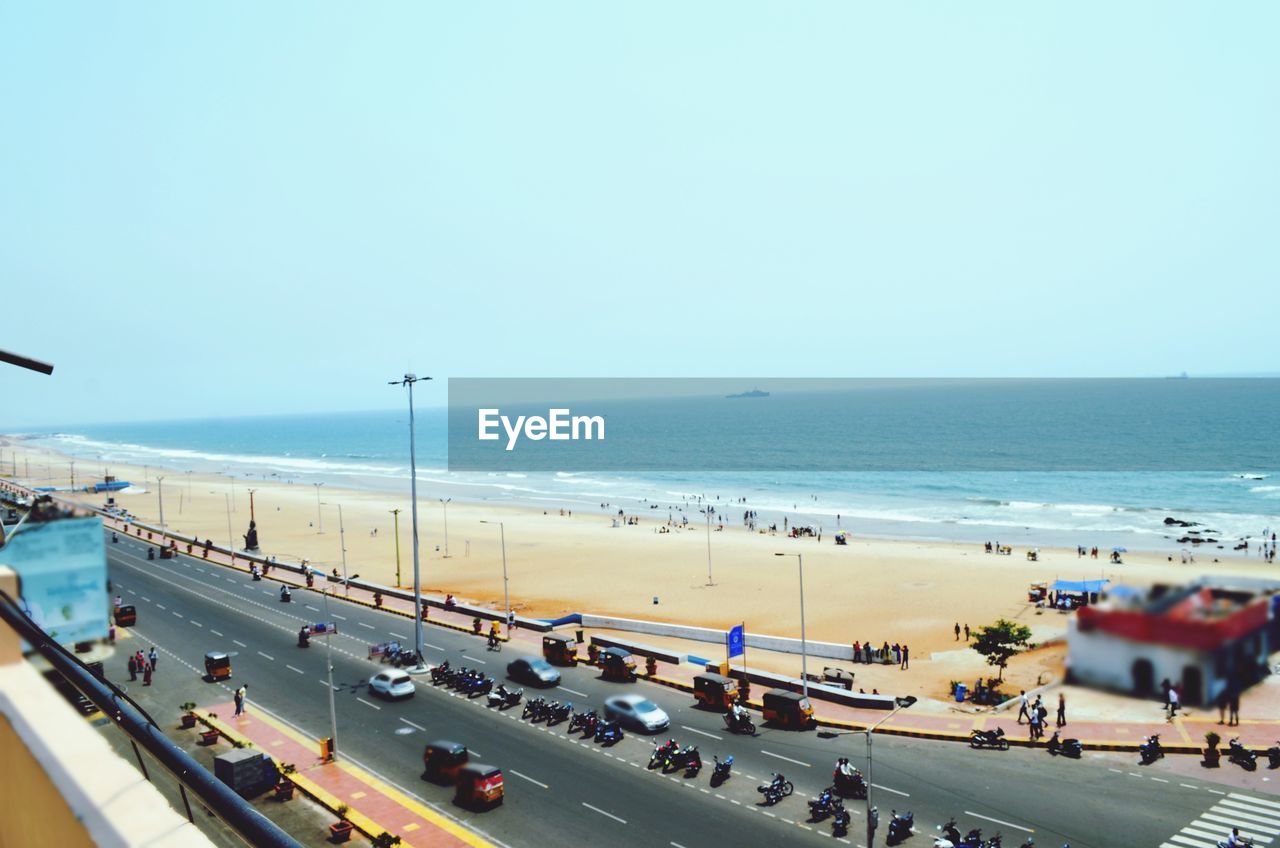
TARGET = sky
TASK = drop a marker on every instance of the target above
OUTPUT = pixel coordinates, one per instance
(247, 208)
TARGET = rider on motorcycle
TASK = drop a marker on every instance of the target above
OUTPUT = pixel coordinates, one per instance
(284, 593)
(493, 635)
(738, 713)
(1235, 840)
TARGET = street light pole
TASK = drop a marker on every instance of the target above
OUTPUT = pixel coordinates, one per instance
(333, 713)
(408, 381)
(707, 512)
(231, 540)
(804, 645)
(506, 591)
(319, 514)
(396, 513)
(445, 502)
(342, 540)
(160, 490)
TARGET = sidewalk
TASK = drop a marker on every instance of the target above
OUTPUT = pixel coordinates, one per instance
(927, 720)
(374, 807)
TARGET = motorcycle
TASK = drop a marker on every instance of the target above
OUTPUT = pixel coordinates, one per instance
(850, 783)
(775, 790)
(720, 772)
(304, 637)
(1066, 747)
(255, 573)
(839, 819)
(589, 723)
(151, 553)
(285, 595)
(1150, 751)
(502, 697)
(608, 732)
(1241, 756)
(692, 762)
(481, 684)
(739, 724)
(115, 540)
(1273, 756)
(1248, 843)
(988, 739)
(662, 754)
(494, 643)
(533, 709)
(439, 673)
(578, 720)
(900, 827)
(820, 807)
(559, 713)
(461, 678)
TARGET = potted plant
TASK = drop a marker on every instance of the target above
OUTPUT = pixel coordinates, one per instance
(1212, 755)
(284, 789)
(385, 840)
(188, 717)
(340, 831)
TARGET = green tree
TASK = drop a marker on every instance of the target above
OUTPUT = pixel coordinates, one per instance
(1000, 641)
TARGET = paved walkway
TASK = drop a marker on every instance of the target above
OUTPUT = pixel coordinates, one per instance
(374, 806)
(1114, 732)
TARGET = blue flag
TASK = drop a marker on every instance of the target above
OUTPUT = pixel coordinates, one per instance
(737, 640)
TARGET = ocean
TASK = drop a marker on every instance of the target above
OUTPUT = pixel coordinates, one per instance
(1221, 473)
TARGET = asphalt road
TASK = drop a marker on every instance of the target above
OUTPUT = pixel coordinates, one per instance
(564, 791)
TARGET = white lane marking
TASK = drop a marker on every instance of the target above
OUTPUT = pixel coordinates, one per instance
(432, 647)
(895, 791)
(161, 606)
(1256, 801)
(1133, 774)
(267, 656)
(131, 592)
(702, 732)
(788, 759)
(417, 726)
(603, 813)
(1214, 791)
(397, 635)
(326, 683)
(176, 614)
(229, 580)
(473, 659)
(145, 598)
(735, 801)
(528, 778)
(1159, 780)
(214, 632)
(676, 845)
(368, 704)
(998, 821)
(201, 570)
(238, 642)
(1188, 786)
(769, 814)
(1116, 770)
(313, 609)
(575, 692)
(196, 623)
(340, 617)
(370, 626)
(1232, 817)
(291, 668)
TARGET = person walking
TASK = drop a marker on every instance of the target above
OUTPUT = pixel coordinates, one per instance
(906, 657)
(957, 631)
(1223, 697)
(1173, 702)
(133, 670)
(240, 695)
(1062, 710)
(1023, 704)
(966, 631)
(146, 676)
(1233, 706)
(153, 658)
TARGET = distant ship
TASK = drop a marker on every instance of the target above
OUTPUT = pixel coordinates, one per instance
(754, 393)
(1183, 376)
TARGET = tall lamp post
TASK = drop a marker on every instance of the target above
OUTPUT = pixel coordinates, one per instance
(396, 514)
(445, 503)
(407, 381)
(707, 512)
(900, 704)
(506, 593)
(319, 514)
(804, 645)
(160, 491)
(333, 713)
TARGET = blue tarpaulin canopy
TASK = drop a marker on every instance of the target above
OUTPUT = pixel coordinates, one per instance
(1079, 585)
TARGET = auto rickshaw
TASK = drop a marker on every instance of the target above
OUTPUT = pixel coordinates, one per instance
(126, 616)
(788, 709)
(217, 664)
(479, 786)
(618, 664)
(168, 551)
(442, 760)
(558, 649)
(715, 691)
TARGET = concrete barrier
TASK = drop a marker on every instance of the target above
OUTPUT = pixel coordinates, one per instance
(638, 649)
(780, 644)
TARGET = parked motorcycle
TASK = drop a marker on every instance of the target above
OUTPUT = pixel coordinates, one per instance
(1066, 747)
(502, 697)
(692, 762)
(950, 837)
(820, 807)
(775, 790)
(739, 724)
(578, 720)
(988, 739)
(839, 819)
(559, 712)
(608, 732)
(663, 753)
(900, 827)
(1241, 756)
(1150, 751)
(589, 723)
(439, 673)
(479, 685)
(1273, 756)
(533, 709)
(720, 772)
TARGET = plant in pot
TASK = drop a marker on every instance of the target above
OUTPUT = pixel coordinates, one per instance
(340, 831)
(284, 789)
(188, 717)
(385, 840)
(1212, 755)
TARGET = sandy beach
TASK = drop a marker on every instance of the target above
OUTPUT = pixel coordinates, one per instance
(896, 591)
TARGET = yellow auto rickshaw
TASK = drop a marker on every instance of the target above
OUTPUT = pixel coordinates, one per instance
(126, 616)
(217, 665)
(558, 649)
(618, 664)
(715, 691)
(788, 709)
(479, 786)
(442, 760)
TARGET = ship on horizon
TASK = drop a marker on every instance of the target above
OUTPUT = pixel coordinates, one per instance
(754, 393)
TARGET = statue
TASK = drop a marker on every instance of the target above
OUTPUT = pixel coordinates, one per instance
(251, 538)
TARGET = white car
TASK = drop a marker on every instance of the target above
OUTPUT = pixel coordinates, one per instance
(636, 712)
(391, 684)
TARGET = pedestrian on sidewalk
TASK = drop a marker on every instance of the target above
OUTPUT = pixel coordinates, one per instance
(966, 631)
(1173, 702)
(1023, 703)
(1233, 706)
(1222, 706)
(153, 657)
(133, 672)
(146, 676)
(241, 694)
(906, 656)
(1062, 709)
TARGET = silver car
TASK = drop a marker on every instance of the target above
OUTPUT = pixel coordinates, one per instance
(636, 712)
(392, 684)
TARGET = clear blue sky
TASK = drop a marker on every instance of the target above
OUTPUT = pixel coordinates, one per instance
(246, 208)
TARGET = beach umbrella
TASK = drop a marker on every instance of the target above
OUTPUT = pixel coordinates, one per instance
(1119, 550)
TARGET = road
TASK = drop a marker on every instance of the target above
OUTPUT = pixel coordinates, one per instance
(562, 790)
